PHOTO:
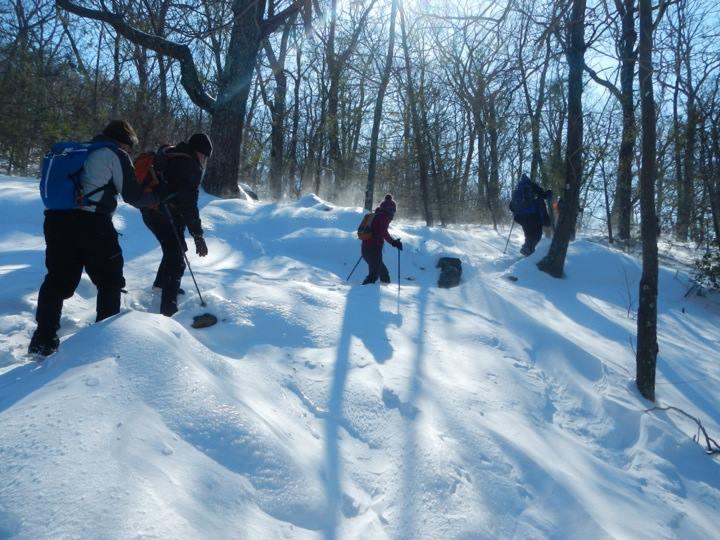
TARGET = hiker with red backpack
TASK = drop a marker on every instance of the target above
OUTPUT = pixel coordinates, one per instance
(373, 241)
(79, 186)
(179, 170)
(530, 211)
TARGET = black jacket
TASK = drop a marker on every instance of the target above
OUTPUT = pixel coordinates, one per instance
(182, 173)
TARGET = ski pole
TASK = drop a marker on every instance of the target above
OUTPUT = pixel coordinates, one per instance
(177, 237)
(354, 267)
(398, 271)
(509, 234)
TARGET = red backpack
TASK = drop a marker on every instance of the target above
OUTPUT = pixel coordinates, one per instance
(145, 171)
(149, 166)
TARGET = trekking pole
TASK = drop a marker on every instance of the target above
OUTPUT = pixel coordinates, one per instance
(354, 267)
(398, 272)
(509, 234)
(177, 237)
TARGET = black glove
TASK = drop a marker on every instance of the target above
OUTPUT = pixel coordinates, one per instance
(549, 194)
(200, 245)
(398, 244)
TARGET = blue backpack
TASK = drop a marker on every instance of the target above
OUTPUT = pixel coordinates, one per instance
(60, 186)
(524, 200)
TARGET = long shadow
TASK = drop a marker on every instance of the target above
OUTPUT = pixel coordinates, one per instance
(362, 319)
(408, 510)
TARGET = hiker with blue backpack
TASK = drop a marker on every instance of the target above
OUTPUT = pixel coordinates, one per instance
(529, 210)
(180, 170)
(79, 186)
(374, 239)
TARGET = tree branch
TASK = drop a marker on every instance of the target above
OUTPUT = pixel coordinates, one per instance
(189, 75)
(711, 444)
(602, 82)
(271, 24)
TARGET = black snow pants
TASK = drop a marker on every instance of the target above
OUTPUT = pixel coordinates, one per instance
(372, 254)
(532, 228)
(77, 240)
(172, 264)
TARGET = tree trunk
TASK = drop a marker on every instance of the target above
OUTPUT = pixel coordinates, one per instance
(228, 119)
(623, 191)
(554, 262)
(420, 148)
(689, 164)
(377, 115)
(115, 104)
(278, 111)
(494, 179)
(647, 347)
(333, 101)
(295, 182)
(608, 213)
(714, 180)
(468, 163)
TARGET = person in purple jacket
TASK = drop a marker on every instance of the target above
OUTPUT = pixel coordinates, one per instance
(372, 248)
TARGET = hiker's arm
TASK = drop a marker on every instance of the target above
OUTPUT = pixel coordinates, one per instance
(538, 190)
(386, 234)
(187, 201)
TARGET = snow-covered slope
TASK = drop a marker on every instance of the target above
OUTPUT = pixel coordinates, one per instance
(317, 407)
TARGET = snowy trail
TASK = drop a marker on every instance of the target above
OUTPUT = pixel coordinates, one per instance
(319, 408)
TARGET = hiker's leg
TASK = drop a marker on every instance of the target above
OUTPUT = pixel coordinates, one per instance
(64, 269)
(527, 234)
(371, 255)
(154, 221)
(173, 266)
(382, 269)
(534, 233)
(104, 264)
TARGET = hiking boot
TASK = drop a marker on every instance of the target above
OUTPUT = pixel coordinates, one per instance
(43, 347)
(368, 281)
(385, 279)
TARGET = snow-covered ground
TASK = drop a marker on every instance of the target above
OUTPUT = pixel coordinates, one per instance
(319, 408)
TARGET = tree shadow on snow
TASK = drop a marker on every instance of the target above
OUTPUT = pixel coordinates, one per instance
(363, 319)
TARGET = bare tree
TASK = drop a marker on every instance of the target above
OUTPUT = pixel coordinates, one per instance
(420, 146)
(278, 109)
(252, 21)
(554, 262)
(647, 347)
(377, 115)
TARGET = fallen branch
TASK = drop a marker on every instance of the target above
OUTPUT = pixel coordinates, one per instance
(710, 443)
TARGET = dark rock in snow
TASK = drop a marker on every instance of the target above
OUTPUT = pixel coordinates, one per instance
(450, 272)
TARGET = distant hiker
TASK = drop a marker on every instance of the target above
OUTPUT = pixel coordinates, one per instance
(556, 212)
(372, 247)
(529, 210)
(79, 232)
(180, 169)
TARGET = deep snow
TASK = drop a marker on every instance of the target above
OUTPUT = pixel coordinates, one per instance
(318, 407)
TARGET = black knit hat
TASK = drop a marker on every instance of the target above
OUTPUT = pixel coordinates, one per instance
(121, 131)
(388, 205)
(200, 142)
